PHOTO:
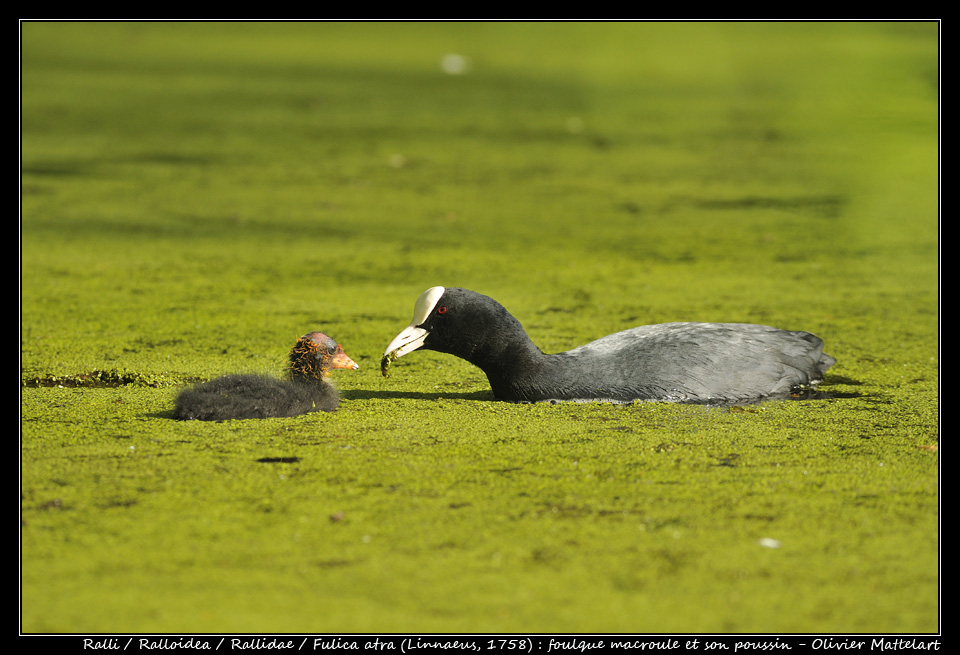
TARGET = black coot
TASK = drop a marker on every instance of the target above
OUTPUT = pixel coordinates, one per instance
(308, 388)
(679, 362)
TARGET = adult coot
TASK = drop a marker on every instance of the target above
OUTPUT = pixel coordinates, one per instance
(680, 362)
(308, 388)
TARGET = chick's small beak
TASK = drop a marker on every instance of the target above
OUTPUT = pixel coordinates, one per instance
(340, 360)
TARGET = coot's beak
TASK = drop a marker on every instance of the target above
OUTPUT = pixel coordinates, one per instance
(340, 360)
(413, 336)
(407, 341)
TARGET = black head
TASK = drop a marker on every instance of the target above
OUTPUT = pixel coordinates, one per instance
(459, 322)
(463, 320)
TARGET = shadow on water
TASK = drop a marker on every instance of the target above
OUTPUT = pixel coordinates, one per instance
(797, 394)
(101, 379)
(362, 394)
(801, 393)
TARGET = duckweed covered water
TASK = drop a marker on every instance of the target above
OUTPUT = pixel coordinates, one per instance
(196, 196)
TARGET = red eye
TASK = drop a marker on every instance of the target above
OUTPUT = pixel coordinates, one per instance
(441, 310)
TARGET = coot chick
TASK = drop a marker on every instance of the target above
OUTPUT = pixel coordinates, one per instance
(308, 388)
(709, 363)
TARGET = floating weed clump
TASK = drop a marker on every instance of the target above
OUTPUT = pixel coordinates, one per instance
(97, 378)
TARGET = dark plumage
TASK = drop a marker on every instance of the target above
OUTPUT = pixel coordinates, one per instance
(308, 388)
(679, 362)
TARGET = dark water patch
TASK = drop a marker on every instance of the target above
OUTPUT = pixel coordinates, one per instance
(278, 460)
(728, 460)
(334, 563)
(150, 345)
(760, 517)
(829, 206)
(64, 168)
(183, 224)
(670, 446)
(117, 502)
(172, 159)
(56, 169)
(37, 189)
